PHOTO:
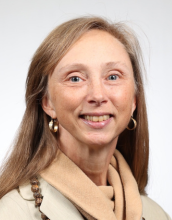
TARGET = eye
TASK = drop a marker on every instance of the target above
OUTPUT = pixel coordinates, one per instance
(112, 77)
(75, 79)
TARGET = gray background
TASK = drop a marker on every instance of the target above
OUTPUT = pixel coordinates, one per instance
(24, 24)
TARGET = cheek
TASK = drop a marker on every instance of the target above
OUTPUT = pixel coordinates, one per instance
(65, 101)
(123, 99)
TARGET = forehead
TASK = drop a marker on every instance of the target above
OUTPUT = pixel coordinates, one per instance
(94, 39)
(96, 46)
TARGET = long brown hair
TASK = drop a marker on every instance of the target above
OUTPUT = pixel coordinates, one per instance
(35, 146)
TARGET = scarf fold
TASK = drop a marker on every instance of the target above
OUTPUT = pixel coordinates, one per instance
(121, 200)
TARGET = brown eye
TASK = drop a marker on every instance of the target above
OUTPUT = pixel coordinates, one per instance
(112, 77)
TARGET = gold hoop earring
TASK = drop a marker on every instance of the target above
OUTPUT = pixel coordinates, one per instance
(53, 126)
(135, 124)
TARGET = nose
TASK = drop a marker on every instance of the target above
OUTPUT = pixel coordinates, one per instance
(97, 93)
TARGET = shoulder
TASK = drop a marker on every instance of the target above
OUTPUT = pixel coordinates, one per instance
(12, 206)
(20, 204)
(151, 210)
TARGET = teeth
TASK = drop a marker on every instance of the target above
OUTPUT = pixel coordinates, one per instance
(105, 117)
(97, 118)
(100, 118)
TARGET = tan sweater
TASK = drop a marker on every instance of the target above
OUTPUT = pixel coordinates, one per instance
(20, 205)
(69, 194)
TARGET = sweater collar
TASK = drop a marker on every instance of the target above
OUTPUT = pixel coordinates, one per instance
(59, 185)
(66, 177)
(90, 200)
(54, 204)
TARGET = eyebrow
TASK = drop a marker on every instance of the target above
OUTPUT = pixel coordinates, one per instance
(72, 66)
(114, 64)
(84, 66)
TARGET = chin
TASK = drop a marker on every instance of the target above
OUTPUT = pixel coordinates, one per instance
(99, 141)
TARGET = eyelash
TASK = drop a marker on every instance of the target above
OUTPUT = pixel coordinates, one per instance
(72, 77)
(79, 78)
(116, 77)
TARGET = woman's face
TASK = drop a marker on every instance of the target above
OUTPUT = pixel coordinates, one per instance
(92, 90)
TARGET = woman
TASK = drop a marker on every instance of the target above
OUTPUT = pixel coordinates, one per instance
(82, 148)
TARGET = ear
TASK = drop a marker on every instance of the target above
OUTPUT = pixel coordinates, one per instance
(48, 107)
(134, 104)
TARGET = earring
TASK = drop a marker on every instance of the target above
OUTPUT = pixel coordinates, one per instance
(53, 126)
(135, 124)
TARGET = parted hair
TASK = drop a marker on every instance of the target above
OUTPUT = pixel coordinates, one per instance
(35, 146)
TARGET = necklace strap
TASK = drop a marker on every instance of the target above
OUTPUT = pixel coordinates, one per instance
(37, 195)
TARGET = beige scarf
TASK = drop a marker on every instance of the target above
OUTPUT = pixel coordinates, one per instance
(121, 200)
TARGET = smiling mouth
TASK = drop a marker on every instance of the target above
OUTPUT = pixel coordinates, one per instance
(96, 118)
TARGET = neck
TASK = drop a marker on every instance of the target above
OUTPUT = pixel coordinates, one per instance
(92, 160)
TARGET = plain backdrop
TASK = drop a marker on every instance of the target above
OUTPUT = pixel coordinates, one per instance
(25, 23)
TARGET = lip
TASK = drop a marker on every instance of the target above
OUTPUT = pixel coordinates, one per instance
(95, 124)
(97, 113)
